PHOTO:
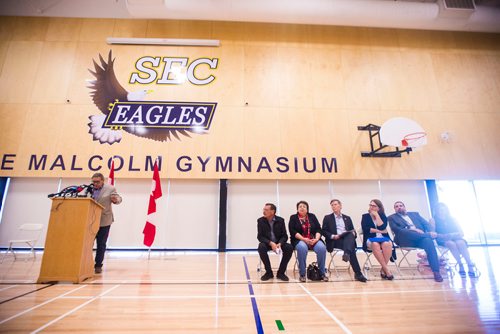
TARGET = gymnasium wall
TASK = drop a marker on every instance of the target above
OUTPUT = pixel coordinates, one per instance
(187, 216)
(282, 91)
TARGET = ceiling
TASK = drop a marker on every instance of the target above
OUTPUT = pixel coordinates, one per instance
(408, 14)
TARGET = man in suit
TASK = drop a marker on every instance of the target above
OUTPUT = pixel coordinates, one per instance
(411, 230)
(334, 227)
(104, 194)
(271, 233)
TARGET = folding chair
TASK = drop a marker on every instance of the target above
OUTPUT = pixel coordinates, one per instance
(296, 264)
(368, 264)
(406, 251)
(27, 234)
(259, 266)
(332, 262)
(451, 266)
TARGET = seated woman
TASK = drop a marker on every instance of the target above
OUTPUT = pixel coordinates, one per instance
(305, 234)
(450, 235)
(376, 238)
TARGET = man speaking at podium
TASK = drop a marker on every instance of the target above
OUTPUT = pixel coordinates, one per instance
(104, 194)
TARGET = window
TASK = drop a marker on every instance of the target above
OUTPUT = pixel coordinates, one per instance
(460, 198)
(487, 194)
(472, 204)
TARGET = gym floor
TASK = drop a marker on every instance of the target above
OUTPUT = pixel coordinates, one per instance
(204, 292)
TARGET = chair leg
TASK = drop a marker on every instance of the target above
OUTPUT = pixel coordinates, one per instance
(12, 250)
(334, 266)
(32, 246)
(367, 265)
(405, 258)
(9, 249)
(296, 261)
(330, 263)
(6, 253)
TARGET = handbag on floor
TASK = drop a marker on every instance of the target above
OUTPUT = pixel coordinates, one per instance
(313, 272)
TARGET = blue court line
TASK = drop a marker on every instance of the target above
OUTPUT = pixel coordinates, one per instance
(258, 323)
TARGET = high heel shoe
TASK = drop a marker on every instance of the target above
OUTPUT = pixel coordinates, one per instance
(387, 277)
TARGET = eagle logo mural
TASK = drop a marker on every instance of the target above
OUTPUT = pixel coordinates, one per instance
(127, 111)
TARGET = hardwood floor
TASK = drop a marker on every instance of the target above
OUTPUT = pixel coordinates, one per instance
(211, 293)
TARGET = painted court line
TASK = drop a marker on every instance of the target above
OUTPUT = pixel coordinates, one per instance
(72, 310)
(295, 295)
(40, 305)
(179, 282)
(25, 294)
(14, 281)
(381, 292)
(327, 311)
(9, 287)
(258, 322)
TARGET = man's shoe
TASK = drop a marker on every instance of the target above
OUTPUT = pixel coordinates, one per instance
(345, 257)
(267, 276)
(324, 278)
(98, 270)
(302, 279)
(437, 277)
(360, 278)
(283, 277)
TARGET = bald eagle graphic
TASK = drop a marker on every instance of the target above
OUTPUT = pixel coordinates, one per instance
(105, 91)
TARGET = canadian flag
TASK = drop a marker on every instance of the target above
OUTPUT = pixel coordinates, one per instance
(150, 229)
(111, 177)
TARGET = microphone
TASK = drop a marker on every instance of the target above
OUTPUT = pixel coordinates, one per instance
(73, 191)
(89, 189)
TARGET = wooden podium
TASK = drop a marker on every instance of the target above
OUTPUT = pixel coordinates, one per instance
(73, 224)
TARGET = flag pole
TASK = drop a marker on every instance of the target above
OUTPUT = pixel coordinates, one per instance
(167, 207)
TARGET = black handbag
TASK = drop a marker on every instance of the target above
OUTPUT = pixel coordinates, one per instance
(313, 272)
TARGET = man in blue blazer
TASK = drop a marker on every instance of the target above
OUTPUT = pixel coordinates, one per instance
(339, 232)
(411, 230)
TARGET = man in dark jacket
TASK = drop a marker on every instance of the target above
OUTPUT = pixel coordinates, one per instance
(271, 233)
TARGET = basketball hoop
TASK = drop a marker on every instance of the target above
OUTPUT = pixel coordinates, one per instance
(411, 138)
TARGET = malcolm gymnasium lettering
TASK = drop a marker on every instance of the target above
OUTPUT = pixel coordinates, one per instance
(184, 163)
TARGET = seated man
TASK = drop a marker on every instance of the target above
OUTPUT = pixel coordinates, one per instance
(411, 230)
(339, 232)
(271, 232)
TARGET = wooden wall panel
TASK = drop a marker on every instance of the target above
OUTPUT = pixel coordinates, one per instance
(96, 30)
(56, 61)
(62, 29)
(18, 71)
